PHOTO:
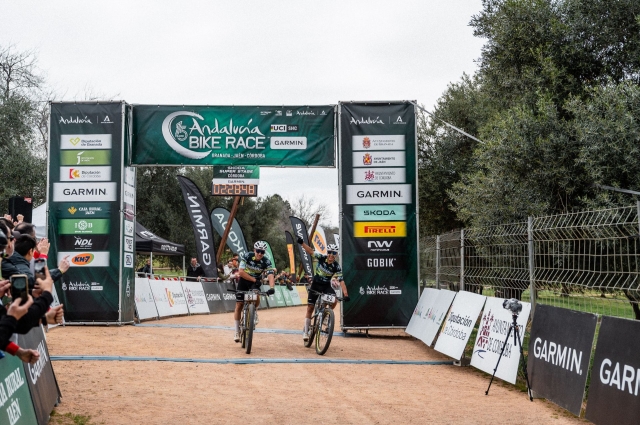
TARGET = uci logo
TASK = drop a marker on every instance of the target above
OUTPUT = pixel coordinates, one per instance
(82, 259)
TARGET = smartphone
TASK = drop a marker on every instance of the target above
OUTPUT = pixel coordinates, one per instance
(19, 287)
(39, 267)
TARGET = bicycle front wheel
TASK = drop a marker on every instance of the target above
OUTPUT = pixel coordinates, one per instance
(324, 332)
(249, 326)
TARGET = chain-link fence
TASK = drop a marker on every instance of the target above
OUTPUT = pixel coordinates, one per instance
(587, 261)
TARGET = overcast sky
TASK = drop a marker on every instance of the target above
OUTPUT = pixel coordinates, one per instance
(249, 53)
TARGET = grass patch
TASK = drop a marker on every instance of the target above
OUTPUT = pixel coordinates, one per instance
(69, 419)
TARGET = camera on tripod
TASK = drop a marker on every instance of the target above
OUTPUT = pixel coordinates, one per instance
(513, 305)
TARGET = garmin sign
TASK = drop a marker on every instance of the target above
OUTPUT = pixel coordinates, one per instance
(242, 135)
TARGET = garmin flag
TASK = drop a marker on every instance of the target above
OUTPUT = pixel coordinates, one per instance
(292, 258)
(300, 231)
(201, 226)
(269, 254)
(235, 240)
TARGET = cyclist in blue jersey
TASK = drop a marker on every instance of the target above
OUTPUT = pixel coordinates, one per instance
(326, 269)
(252, 264)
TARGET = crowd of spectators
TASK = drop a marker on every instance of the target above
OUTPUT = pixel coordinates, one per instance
(23, 308)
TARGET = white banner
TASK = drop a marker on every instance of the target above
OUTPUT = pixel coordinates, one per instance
(379, 159)
(436, 315)
(85, 141)
(79, 174)
(144, 299)
(169, 297)
(85, 192)
(459, 324)
(427, 299)
(195, 297)
(379, 194)
(378, 143)
(494, 325)
(379, 175)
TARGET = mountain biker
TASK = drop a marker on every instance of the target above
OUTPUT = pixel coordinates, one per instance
(326, 269)
(252, 264)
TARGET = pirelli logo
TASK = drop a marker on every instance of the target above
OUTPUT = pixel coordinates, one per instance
(387, 229)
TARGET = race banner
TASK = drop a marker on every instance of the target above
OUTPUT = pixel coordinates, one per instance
(45, 393)
(417, 323)
(228, 298)
(300, 231)
(319, 240)
(292, 258)
(559, 353)
(378, 213)
(169, 297)
(286, 294)
(199, 215)
(269, 254)
(91, 198)
(272, 302)
(235, 240)
(295, 296)
(494, 326)
(300, 136)
(195, 297)
(302, 293)
(614, 389)
(145, 305)
(436, 315)
(459, 324)
(213, 294)
(15, 399)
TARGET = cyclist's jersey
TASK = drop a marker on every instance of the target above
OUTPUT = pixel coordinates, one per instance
(254, 267)
(325, 271)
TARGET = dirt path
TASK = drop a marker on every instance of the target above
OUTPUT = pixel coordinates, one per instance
(153, 392)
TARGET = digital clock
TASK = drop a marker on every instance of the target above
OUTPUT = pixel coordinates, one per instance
(234, 190)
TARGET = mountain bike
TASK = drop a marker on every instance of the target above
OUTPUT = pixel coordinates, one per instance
(323, 321)
(248, 316)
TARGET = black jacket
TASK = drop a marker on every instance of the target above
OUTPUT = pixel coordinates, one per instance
(31, 319)
(197, 271)
(17, 264)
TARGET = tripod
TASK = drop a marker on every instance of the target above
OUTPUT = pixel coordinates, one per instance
(516, 341)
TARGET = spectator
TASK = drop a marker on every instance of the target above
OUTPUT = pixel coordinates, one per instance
(228, 267)
(194, 269)
(146, 268)
(42, 250)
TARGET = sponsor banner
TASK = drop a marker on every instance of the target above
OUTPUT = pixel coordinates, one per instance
(85, 259)
(84, 226)
(559, 352)
(195, 297)
(83, 210)
(379, 194)
(83, 242)
(434, 316)
(129, 211)
(85, 141)
(79, 285)
(145, 305)
(213, 294)
(378, 143)
(614, 388)
(279, 296)
(379, 175)
(242, 135)
(129, 194)
(199, 215)
(336, 237)
(379, 159)
(236, 174)
(295, 296)
(300, 231)
(85, 192)
(130, 176)
(235, 239)
(16, 407)
(380, 229)
(228, 298)
(128, 260)
(269, 254)
(381, 246)
(381, 263)
(378, 148)
(82, 174)
(169, 297)
(319, 240)
(85, 157)
(287, 295)
(494, 325)
(128, 244)
(416, 323)
(290, 243)
(271, 299)
(459, 324)
(302, 293)
(40, 377)
(128, 228)
(380, 212)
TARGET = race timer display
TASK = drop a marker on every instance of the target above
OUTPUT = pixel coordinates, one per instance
(235, 190)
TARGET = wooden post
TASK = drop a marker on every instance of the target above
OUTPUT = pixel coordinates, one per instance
(227, 229)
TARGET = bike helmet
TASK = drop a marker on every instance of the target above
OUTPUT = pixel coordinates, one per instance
(260, 245)
(332, 247)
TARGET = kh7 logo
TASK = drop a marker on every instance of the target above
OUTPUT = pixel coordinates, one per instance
(83, 259)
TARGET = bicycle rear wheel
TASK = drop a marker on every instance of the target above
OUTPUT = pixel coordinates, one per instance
(324, 331)
(250, 325)
(312, 331)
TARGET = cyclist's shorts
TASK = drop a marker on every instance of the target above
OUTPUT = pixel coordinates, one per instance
(245, 285)
(324, 288)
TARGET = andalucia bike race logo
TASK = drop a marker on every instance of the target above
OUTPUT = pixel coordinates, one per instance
(191, 136)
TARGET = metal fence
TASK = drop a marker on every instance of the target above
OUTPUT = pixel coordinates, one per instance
(587, 261)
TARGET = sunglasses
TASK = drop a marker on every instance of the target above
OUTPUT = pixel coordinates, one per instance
(260, 251)
(332, 252)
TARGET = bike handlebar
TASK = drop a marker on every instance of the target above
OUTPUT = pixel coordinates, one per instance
(249, 292)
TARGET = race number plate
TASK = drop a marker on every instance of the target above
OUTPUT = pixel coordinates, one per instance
(250, 297)
(328, 298)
